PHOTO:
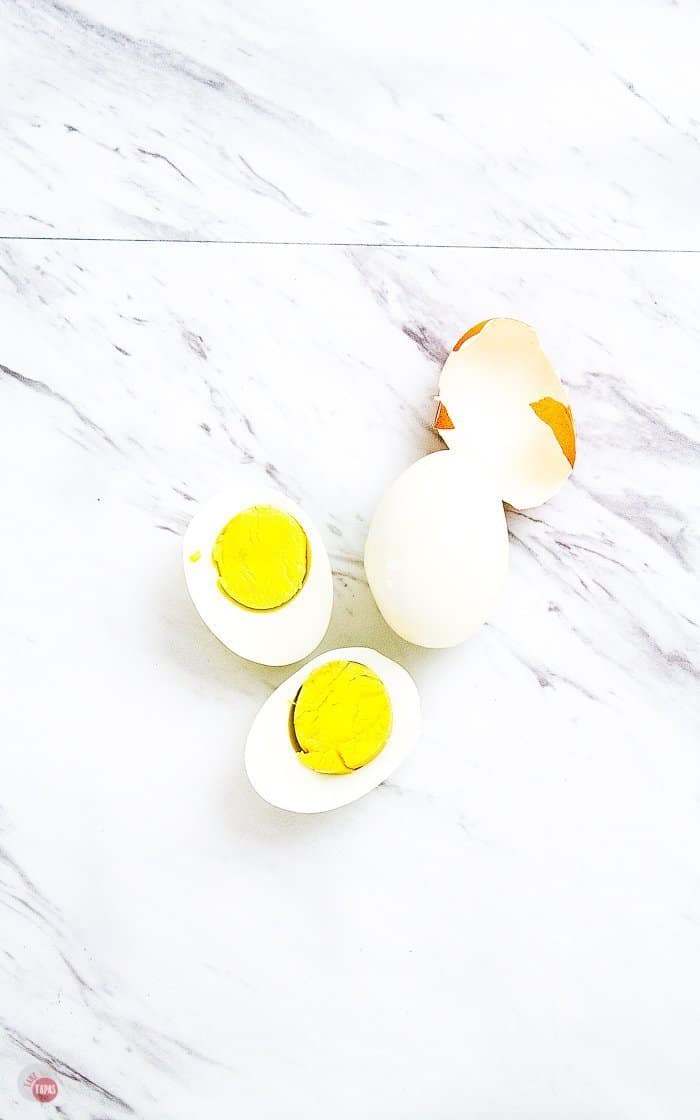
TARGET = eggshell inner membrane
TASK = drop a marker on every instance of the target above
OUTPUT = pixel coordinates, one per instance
(469, 334)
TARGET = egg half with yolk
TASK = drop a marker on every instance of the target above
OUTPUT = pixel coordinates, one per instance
(333, 731)
(258, 573)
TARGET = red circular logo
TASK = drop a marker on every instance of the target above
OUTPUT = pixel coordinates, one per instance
(44, 1089)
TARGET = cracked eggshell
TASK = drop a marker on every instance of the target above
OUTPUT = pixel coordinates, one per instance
(436, 555)
(501, 401)
(272, 637)
(278, 776)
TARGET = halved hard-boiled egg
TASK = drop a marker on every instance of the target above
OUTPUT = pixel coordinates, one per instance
(258, 573)
(333, 731)
(436, 555)
(501, 402)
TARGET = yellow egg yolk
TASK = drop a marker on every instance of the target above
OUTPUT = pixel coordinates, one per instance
(341, 718)
(262, 557)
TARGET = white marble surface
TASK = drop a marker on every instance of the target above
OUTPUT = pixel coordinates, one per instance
(546, 123)
(511, 926)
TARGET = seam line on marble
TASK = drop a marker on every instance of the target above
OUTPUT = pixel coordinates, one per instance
(349, 244)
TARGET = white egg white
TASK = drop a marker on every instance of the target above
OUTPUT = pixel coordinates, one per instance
(436, 555)
(488, 387)
(273, 637)
(273, 766)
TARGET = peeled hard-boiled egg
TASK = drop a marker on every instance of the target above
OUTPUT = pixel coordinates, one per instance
(333, 731)
(258, 574)
(501, 401)
(436, 554)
